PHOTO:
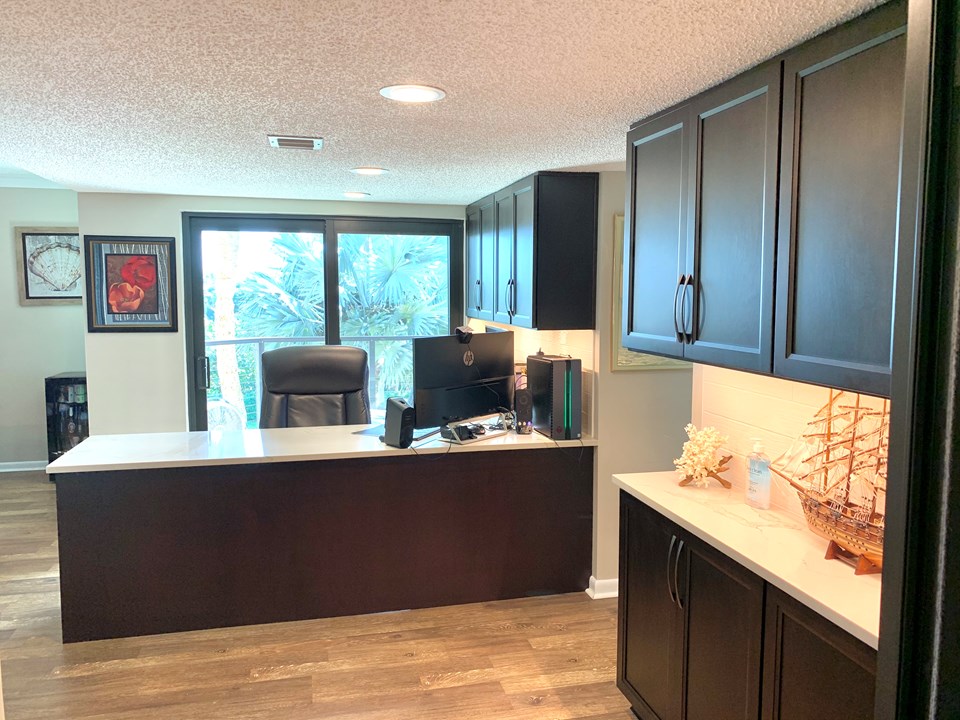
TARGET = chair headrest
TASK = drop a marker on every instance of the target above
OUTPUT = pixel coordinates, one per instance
(315, 370)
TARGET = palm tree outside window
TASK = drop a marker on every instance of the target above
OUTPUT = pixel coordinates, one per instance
(374, 284)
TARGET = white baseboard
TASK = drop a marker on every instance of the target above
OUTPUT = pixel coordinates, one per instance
(600, 589)
(22, 466)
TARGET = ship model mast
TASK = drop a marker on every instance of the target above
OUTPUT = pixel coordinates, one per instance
(839, 469)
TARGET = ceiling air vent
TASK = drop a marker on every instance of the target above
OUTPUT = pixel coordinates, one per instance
(295, 143)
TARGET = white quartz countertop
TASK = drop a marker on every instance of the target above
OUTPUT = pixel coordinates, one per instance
(775, 545)
(233, 447)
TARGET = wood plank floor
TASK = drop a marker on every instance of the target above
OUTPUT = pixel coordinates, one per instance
(531, 659)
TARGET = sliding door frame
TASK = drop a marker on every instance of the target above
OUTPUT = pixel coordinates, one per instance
(194, 223)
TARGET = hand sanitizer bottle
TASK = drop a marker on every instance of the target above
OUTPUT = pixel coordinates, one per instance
(758, 485)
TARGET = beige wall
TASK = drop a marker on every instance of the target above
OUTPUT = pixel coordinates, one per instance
(137, 381)
(640, 414)
(36, 341)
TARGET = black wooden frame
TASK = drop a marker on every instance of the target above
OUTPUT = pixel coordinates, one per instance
(194, 223)
(918, 672)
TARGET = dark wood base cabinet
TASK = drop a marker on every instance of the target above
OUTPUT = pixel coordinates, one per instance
(703, 638)
(189, 548)
(811, 669)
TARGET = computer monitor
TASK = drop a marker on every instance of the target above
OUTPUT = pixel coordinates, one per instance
(455, 380)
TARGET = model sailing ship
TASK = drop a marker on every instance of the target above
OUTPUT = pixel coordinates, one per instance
(839, 469)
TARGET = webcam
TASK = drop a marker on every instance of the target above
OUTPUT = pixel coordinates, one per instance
(464, 333)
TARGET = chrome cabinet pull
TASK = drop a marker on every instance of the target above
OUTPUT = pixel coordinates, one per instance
(687, 336)
(673, 541)
(676, 574)
(676, 298)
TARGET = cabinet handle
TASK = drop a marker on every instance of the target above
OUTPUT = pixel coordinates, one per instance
(687, 336)
(676, 574)
(506, 296)
(479, 295)
(673, 541)
(513, 296)
(676, 298)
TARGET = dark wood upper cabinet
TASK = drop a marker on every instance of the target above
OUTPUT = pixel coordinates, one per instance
(655, 222)
(543, 256)
(735, 133)
(839, 180)
(505, 248)
(701, 210)
(761, 215)
(481, 249)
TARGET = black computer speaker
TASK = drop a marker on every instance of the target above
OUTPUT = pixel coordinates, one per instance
(398, 426)
(523, 406)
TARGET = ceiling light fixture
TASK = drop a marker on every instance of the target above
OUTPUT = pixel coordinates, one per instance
(413, 93)
(369, 170)
(356, 194)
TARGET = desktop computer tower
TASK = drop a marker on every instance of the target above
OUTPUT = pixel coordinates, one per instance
(554, 383)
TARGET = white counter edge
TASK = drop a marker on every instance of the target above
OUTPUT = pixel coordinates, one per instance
(145, 451)
(868, 633)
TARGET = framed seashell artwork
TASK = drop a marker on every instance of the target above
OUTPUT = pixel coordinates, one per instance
(49, 265)
(131, 284)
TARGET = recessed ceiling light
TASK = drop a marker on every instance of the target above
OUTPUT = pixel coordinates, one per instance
(413, 93)
(368, 170)
(356, 194)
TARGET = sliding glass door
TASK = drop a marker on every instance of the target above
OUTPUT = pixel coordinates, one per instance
(256, 283)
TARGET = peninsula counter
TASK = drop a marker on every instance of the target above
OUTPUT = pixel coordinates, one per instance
(166, 532)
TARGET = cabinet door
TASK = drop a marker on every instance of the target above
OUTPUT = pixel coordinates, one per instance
(655, 227)
(842, 109)
(723, 637)
(502, 299)
(481, 239)
(651, 622)
(813, 670)
(732, 225)
(524, 276)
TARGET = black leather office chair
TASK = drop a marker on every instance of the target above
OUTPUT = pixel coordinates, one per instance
(314, 385)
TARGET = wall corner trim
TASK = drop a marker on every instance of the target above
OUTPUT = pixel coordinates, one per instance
(600, 589)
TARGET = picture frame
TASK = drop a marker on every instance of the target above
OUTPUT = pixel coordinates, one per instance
(621, 358)
(49, 265)
(131, 283)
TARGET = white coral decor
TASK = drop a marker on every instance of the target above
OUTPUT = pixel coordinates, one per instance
(699, 457)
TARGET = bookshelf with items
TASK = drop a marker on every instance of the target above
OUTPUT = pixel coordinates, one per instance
(67, 419)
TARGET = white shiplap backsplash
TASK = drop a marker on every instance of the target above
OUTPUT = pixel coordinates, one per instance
(744, 406)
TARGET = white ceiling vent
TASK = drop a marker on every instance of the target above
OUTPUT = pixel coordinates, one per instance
(295, 143)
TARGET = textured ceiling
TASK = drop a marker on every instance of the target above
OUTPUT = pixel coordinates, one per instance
(170, 96)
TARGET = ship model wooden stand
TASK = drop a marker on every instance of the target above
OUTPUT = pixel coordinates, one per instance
(839, 469)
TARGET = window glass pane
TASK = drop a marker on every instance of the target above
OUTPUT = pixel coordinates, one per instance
(258, 289)
(392, 288)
